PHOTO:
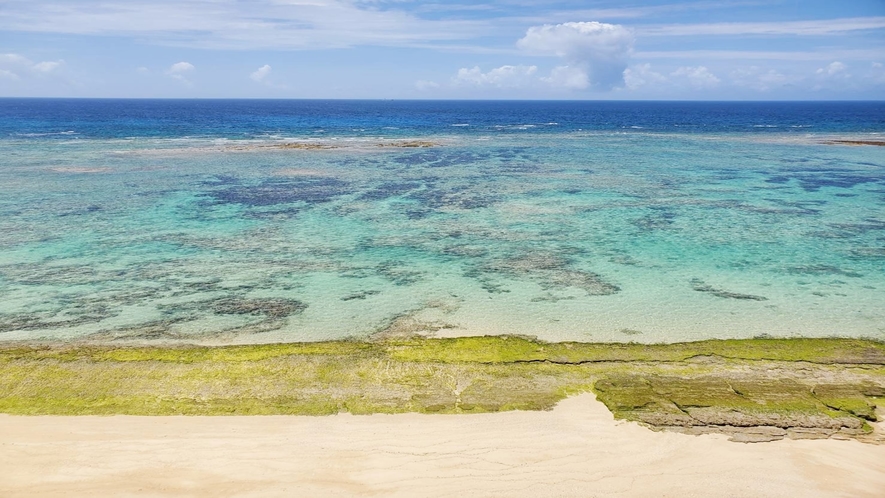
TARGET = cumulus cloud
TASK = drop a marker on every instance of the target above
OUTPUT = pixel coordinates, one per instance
(598, 50)
(181, 67)
(16, 66)
(832, 69)
(179, 71)
(835, 76)
(757, 78)
(426, 85)
(641, 75)
(261, 73)
(262, 76)
(14, 59)
(577, 40)
(501, 77)
(47, 66)
(574, 78)
(697, 77)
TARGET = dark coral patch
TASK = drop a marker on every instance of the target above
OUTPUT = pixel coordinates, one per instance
(310, 190)
(269, 307)
(700, 286)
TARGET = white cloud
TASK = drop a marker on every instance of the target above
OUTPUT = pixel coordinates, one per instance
(14, 59)
(770, 79)
(47, 66)
(698, 77)
(832, 69)
(599, 50)
(180, 67)
(501, 77)
(143, 70)
(577, 40)
(641, 75)
(815, 55)
(261, 73)
(759, 79)
(179, 70)
(808, 28)
(647, 10)
(833, 76)
(426, 85)
(234, 24)
(16, 66)
(573, 78)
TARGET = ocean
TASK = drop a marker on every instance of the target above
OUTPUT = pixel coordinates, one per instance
(257, 221)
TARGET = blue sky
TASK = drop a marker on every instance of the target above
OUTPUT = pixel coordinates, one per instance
(415, 49)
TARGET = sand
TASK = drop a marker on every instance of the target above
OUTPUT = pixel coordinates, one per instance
(575, 450)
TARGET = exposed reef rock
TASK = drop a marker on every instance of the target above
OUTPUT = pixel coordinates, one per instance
(422, 322)
(315, 145)
(753, 390)
(304, 146)
(409, 325)
(880, 143)
(279, 146)
(747, 406)
(409, 144)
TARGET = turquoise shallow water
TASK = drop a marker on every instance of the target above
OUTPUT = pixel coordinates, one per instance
(590, 235)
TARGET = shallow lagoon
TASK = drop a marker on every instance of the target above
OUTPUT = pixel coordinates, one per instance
(545, 230)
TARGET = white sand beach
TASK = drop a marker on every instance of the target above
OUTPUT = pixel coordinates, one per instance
(577, 450)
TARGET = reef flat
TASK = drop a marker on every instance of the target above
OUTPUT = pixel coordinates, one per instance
(879, 143)
(752, 389)
(275, 222)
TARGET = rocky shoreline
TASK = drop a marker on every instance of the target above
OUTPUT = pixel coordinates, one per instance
(753, 390)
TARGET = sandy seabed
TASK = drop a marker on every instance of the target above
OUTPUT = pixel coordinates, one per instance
(577, 450)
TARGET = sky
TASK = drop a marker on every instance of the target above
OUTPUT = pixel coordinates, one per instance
(460, 49)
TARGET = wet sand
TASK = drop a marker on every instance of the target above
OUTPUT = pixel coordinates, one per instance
(577, 449)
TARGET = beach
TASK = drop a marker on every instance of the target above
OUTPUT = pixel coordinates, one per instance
(576, 449)
(390, 248)
(366, 298)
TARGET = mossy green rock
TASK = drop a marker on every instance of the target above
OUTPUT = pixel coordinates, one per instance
(813, 386)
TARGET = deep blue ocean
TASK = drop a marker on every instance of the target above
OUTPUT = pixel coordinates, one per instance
(245, 221)
(236, 119)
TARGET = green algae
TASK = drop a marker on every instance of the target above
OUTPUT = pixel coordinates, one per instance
(825, 384)
(504, 349)
(718, 400)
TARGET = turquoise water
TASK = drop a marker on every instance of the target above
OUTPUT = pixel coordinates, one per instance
(547, 230)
